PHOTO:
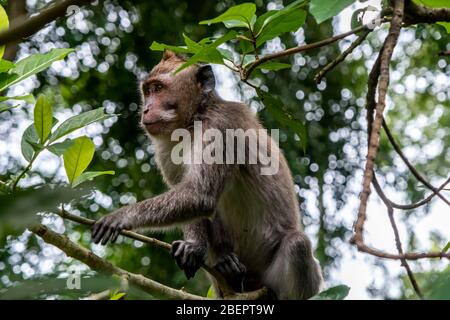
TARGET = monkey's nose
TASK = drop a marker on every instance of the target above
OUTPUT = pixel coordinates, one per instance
(146, 110)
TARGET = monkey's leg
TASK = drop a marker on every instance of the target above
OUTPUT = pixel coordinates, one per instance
(294, 273)
(191, 253)
(222, 256)
(232, 269)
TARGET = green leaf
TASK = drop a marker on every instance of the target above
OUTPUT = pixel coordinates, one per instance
(211, 293)
(275, 108)
(29, 98)
(36, 145)
(226, 54)
(239, 24)
(334, 293)
(31, 65)
(78, 157)
(6, 107)
(43, 118)
(118, 296)
(446, 25)
(291, 21)
(90, 175)
(267, 20)
(60, 147)
(273, 66)
(447, 247)
(193, 46)
(236, 16)
(263, 20)
(29, 138)
(245, 45)
(4, 24)
(79, 121)
(209, 53)
(249, 58)
(156, 46)
(433, 3)
(325, 9)
(6, 65)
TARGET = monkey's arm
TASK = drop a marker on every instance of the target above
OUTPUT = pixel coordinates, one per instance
(193, 198)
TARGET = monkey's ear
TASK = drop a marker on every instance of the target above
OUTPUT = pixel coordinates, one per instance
(168, 54)
(206, 79)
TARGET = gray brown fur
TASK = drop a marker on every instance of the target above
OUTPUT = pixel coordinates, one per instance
(231, 215)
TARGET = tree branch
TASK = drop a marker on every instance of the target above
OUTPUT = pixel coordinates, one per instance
(415, 13)
(383, 83)
(104, 295)
(409, 165)
(398, 242)
(25, 27)
(417, 204)
(305, 47)
(341, 57)
(225, 288)
(16, 10)
(358, 239)
(98, 264)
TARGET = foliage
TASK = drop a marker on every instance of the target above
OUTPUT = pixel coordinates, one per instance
(334, 293)
(38, 136)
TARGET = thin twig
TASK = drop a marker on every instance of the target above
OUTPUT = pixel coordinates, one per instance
(417, 204)
(383, 83)
(398, 242)
(409, 165)
(318, 77)
(225, 288)
(25, 26)
(415, 13)
(130, 234)
(104, 295)
(305, 47)
(98, 264)
(362, 247)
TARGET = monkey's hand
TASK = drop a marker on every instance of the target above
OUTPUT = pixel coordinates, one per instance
(109, 227)
(188, 255)
(232, 270)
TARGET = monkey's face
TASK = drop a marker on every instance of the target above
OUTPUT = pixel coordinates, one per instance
(161, 106)
(170, 100)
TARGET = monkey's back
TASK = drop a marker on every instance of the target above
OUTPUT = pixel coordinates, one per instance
(256, 210)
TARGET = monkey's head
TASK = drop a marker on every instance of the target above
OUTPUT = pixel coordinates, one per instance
(170, 99)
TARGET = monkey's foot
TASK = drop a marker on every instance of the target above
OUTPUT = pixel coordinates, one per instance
(188, 255)
(232, 270)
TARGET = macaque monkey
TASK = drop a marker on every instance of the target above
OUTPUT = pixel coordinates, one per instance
(234, 218)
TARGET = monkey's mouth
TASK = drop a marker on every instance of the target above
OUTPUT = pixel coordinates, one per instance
(156, 125)
(155, 122)
(151, 123)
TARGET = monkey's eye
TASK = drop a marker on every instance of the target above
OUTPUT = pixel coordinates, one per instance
(146, 89)
(157, 87)
(150, 88)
